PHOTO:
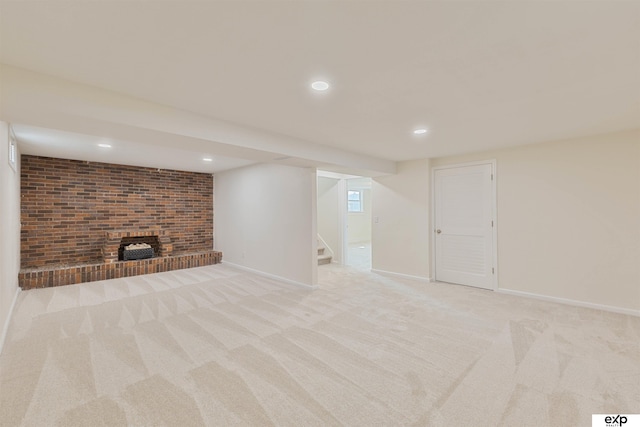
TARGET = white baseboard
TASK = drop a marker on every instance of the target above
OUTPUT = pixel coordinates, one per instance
(567, 301)
(401, 275)
(5, 329)
(269, 275)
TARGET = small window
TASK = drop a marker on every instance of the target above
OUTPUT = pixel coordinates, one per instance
(354, 201)
(13, 154)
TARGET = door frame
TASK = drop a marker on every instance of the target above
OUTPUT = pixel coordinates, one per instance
(494, 214)
(342, 220)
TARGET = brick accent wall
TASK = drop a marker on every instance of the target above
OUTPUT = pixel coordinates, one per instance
(68, 206)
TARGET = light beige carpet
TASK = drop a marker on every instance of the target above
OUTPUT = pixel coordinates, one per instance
(218, 347)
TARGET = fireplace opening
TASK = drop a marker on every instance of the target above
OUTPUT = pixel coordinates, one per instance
(116, 241)
(152, 241)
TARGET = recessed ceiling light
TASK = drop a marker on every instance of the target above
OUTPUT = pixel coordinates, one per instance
(207, 159)
(104, 145)
(320, 85)
(420, 131)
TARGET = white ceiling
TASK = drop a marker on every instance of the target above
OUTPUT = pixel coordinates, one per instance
(477, 74)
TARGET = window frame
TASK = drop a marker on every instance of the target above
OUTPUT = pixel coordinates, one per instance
(360, 201)
(13, 151)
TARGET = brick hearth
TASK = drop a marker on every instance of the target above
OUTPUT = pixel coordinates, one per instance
(58, 276)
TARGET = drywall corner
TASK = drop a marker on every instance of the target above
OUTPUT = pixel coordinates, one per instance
(9, 227)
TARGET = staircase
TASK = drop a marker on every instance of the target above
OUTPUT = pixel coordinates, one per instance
(322, 257)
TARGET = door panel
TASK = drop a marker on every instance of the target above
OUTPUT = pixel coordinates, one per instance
(463, 225)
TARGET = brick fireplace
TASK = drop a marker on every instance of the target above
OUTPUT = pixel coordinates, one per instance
(75, 215)
(112, 265)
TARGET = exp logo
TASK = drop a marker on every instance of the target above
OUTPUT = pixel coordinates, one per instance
(617, 420)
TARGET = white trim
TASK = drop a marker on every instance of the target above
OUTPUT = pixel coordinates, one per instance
(494, 215)
(401, 275)
(268, 275)
(343, 221)
(567, 301)
(5, 329)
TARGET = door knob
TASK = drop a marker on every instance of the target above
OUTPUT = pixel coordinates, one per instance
(438, 231)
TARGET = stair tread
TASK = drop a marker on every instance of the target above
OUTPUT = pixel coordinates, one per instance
(324, 259)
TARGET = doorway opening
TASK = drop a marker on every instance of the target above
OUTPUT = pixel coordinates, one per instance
(359, 223)
(344, 219)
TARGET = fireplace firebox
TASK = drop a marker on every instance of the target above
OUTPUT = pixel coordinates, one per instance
(125, 254)
(115, 242)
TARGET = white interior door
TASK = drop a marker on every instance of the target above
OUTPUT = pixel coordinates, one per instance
(464, 220)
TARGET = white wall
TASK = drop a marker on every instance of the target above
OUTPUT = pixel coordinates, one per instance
(265, 220)
(9, 230)
(400, 237)
(569, 218)
(329, 214)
